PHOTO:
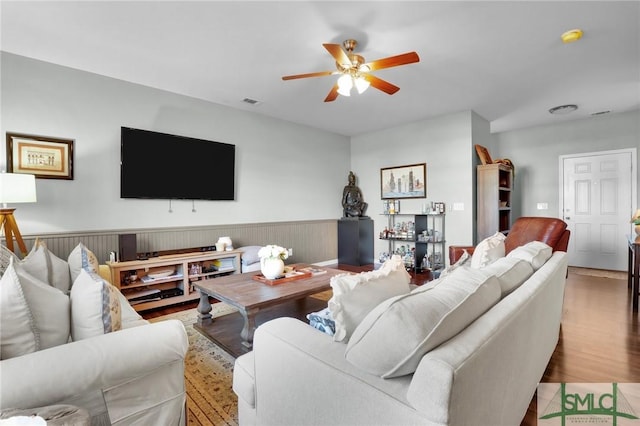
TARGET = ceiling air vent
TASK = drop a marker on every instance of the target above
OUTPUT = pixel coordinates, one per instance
(251, 101)
(600, 113)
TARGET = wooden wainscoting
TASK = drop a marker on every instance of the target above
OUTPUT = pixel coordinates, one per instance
(312, 241)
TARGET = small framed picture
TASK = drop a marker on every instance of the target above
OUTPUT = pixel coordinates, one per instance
(42, 156)
(404, 181)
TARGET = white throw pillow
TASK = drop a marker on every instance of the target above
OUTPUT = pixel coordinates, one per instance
(511, 273)
(355, 295)
(395, 335)
(33, 315)
(82, 258)
(488, 251)
(47, 267)
(464, 260)
(535, 252)
(95, 306)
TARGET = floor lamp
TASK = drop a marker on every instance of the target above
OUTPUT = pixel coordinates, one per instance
(15, 188)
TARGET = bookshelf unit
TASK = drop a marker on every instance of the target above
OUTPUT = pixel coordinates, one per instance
(495, 184)
(431, 246)
(168, 280)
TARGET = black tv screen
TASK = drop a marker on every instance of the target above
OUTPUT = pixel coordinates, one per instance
(163, 166)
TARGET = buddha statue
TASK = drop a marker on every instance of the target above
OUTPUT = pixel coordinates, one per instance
(353, 204)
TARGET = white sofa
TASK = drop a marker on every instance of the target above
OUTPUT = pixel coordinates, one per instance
(130, 376)
(486, 374)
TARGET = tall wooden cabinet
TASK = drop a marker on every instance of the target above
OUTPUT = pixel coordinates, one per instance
(495, 185)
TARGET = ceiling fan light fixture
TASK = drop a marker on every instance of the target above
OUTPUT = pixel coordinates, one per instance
(361, 84)
(345, 84)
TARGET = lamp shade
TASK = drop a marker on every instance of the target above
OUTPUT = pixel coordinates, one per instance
(17, 188)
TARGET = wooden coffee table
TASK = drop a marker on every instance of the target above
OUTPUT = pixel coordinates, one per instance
(257, 303)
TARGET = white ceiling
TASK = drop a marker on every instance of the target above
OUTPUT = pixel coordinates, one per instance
(503, 59)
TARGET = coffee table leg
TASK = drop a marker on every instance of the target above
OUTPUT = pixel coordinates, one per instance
(204, 310)
(249, 327)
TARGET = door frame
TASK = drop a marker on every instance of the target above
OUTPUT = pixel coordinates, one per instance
(634, 176)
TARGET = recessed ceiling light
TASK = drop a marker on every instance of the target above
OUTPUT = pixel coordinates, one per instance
(571, 36)
(600, 112)
(563, 109)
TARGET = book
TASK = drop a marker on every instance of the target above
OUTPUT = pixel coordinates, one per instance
(314, 270)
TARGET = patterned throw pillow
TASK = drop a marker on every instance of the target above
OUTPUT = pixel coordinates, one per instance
(95, 307)
(82, 258)
(33, 315)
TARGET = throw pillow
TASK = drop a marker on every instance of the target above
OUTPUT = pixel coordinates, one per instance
(460, 262)
(355, 295)
(33, 315)
(5, 258)
(511, 273)
(95, 306)
(47, 267)
(82, 258)
(535, 252)
(488, 251)
(395, 335)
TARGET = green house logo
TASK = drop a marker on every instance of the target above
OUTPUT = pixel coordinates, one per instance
(584, 403)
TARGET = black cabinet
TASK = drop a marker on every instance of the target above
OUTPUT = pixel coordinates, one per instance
(355, 241)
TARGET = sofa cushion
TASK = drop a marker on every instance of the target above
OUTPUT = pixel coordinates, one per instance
(354, 295)
(397, 333)
(46, 266)
(511, 272)
(33, 315)
(488, 250)
(95, 306)
(82, 258)
(535, 252)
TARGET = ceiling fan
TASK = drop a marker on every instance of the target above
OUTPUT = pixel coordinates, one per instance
(355, 72)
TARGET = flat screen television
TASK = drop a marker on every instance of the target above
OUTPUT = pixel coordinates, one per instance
(162, 166)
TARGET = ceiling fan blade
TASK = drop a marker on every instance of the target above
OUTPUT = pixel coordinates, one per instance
(392, 61)
(381, 84)
(333, 94)
(311, 74)
(339, 54)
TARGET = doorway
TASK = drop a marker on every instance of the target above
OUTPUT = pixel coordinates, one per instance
(597, 199)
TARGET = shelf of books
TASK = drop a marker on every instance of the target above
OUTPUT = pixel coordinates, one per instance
(168, 280)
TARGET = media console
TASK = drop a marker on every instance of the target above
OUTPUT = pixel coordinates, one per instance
(168, 280)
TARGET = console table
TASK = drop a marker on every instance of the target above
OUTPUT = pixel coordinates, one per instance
(633, 270)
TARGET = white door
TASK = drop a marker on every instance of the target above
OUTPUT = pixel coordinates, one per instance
(597, 202)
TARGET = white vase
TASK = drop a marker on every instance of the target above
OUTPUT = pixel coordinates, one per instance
(271, 267)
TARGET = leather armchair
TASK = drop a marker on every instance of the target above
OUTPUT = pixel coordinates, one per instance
(549, 230)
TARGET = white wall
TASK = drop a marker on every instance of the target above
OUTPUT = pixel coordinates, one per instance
(446, 145)
(284, 171)
(536, 151)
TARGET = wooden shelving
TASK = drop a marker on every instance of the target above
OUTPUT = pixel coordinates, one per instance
(168, 280)
(495, 185)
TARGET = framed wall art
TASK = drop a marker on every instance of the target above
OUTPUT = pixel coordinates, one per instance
(45, 157)
(404, 181)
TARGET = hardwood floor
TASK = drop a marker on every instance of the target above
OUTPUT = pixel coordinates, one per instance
(599, 340)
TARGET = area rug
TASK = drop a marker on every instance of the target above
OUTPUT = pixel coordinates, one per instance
(208, 374)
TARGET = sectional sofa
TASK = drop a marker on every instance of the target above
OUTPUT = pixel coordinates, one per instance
(468, 349)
